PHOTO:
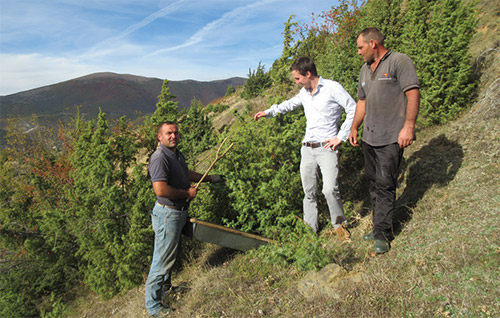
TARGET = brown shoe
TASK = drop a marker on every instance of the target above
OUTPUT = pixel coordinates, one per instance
(343, 234)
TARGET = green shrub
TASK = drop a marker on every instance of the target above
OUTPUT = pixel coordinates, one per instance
(258, 80)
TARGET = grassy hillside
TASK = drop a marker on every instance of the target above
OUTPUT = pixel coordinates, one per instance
(444, 261)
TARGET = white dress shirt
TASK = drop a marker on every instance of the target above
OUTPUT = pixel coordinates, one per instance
(323, 111)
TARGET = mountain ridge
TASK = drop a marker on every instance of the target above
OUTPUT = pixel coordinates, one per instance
(115, 94)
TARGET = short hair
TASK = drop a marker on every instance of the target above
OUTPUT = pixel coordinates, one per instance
(303, 65)
(166, 123)
(372, 34)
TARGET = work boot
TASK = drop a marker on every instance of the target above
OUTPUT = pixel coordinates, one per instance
(368, 236)
(163, 312)
(381, 246)
(343, 233)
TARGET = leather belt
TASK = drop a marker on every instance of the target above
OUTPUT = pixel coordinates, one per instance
(173, 207)
(314, 144)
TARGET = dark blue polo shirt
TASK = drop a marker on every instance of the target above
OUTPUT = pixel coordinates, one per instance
(165, 165)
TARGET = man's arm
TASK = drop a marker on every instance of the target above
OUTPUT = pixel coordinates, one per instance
(283, 108)
(195, 176)
(213, 178)
(162, 189)
(345, 100)
(405, 137)
(359, 116)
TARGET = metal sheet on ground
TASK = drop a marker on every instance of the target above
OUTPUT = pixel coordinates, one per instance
(223, 236)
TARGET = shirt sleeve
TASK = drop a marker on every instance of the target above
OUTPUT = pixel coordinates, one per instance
(407, 76)
(285, 107)
(361, 84)
(158, 168)
(345, 100)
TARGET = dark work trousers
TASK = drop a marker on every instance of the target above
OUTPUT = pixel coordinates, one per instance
(381, 170)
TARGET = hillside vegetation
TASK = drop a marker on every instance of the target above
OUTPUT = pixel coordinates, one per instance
(75, 229)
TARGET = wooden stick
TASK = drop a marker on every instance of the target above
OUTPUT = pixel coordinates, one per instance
(217, 157)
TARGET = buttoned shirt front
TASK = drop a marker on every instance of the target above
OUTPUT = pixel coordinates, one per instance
(323, 110)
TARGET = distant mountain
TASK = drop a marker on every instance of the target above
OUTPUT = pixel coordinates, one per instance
(115, 94)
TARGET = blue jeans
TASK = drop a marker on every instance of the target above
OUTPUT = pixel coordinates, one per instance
(167, 224)
(326, 161)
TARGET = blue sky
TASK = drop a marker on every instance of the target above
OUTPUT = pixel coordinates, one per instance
(50, 41)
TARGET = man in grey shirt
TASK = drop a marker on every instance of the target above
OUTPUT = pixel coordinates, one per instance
(388, 102)
(171, 180)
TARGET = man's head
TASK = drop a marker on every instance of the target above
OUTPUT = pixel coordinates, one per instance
(168, 134)
(303, 65)
(370, 43)
(304, 71)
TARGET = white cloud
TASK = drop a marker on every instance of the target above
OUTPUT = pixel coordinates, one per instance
(34, 70)
(131, 29)
(42, 43)
(210, 30)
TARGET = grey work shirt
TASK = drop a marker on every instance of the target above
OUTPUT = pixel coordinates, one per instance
(385, 98)
(165, 165)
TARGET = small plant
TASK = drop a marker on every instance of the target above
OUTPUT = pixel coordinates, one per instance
(230, 90)
(258, 81)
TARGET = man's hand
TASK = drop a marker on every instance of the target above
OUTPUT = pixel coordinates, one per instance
(332, 143)
(192, 193)
(353, 137)
(405, 137)
(259, 115)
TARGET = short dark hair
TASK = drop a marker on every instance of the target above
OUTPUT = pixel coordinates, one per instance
(372, 34)
(303, 65)
(166, 123)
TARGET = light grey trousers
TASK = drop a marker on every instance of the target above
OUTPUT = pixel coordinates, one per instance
(325, 161)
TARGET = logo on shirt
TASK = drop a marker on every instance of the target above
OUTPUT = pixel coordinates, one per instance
(385, 78)
(363, 84)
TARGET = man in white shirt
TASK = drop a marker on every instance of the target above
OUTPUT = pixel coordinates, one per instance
(322, 100)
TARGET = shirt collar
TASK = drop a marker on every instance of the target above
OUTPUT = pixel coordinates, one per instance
(168, 151)
(386, 55)
(320, 84)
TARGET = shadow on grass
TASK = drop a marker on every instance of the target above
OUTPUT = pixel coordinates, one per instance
(220, 256)
(435, 164)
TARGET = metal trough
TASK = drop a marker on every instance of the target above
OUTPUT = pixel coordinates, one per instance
(223, 236)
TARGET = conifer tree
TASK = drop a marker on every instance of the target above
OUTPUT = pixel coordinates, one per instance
(166, 110)
(197, 133)
(437, 36)
(99, 201)
(280, 71)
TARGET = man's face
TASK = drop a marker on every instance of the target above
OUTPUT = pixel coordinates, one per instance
(169, 136)
(365, 49)
(302, 80)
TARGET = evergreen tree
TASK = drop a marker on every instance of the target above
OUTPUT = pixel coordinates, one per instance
(258, 80)
(197, 133)
(280, 71)
(100, 203)
(37, 249)
(166, 110)
(437, 36)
